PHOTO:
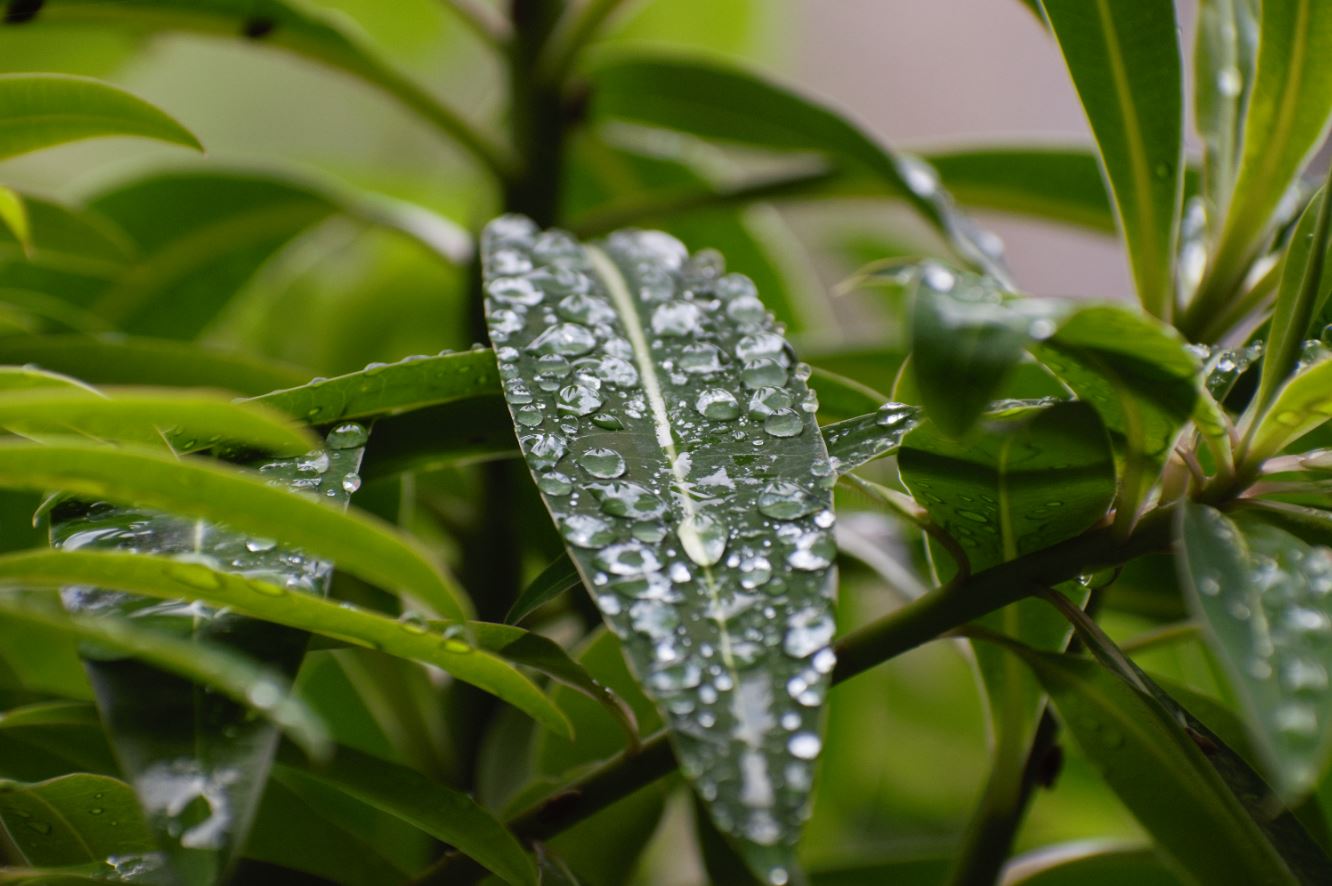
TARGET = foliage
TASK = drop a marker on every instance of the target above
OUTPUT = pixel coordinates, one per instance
(348, 539)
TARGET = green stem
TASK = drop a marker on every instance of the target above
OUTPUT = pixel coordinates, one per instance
(574, 33)
(930, 617)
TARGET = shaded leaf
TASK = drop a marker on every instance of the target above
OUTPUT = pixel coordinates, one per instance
(628, 408)
(40, 110)
(560, 576)
(1090, 863)
(1301, 405)
(74, 819)
(1054, 184)
(1125, 62)
(1225, 56)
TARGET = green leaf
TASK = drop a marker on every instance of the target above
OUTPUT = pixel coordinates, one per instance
(1054, 184)
(40, 110)
(1091, 863)
(1225, 55)
(211, 665)
(967, 335)
(1140, 379)
(14, 218)
(560, 576)
(147, 361)
(74, 819)
(446, 814)
(1301, 405)
(193, 487)
(296, 27)
(189, 421)
(409, 384)
(859, 440)
(68, 237)
(1286, 119)
(1126, 65)
(1259, 591)
(172, 579)
(1159, 773)
(731, 104)
(1300, 298)
(662, 418)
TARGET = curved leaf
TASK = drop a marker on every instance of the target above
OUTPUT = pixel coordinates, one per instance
(675, 499)
(446, 814)
(74, 819)
(734, 105)
(148, 361)
(1300, 406)
(1125, 62)
(14, 218)
(1224, 58)
(193, 487)
(171, 579)
(1058, 184)
(409, 384)
(40, 110)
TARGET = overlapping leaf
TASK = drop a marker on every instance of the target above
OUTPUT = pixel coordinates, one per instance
(1225, 56)
(667, 427)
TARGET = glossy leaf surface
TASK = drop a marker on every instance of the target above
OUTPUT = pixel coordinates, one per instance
(1125, 62)
(75, 819)
(672, 437)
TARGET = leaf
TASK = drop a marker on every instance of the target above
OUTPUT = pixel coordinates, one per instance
(409, 384)
(211, 665)
(68, 237)
(1286, 119)
(1054, 184)
(1225, 56)
(296, 27)
(1140, 379)
(193, 487)
(189, 421)
(1125, 62)
(1300, 406)
(172, 579)
(40, 110)
(1089, 863)
(1300, 298)
(133, 361)
(74, 819)
(446, 814)
(675, 523)
(1259, 592)
(14, 218)
(859, 440)
(967, 335)
(1159, 773)
(560, 576)
(730, 104)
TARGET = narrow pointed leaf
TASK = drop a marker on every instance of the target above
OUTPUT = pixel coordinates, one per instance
(859, 440)
(733, 105)
(68, 236)
(293, 26)
(1125, 62)
(1260, 592)
(1301, 405)
(661, 415)
(123, 360)
(1225, 57)
(410, 384)
(446, 814)
(40, 110)
(1137, 375)
(241, 500)
(14, 218)
(1287, 115)
(1160, 773)
(560, 576)
(172, 579)
(74, 819)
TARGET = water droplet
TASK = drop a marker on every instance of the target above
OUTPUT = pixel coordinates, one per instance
(604, 464)
(808, 631)
(351, 483)
(703, 538)
(812, 551)
(700, 359)
(579, 400)
(587, 531)
(565, 340)
(259, 545)
(555, 483)
(544, 450)
(586, 309)
(624, 499)
(768, 400)
(718, 404)
(529, 416)
(676, 319)
(349, 435)
(784, 423)
(760, 345)
(628, 558)
(804, 745)
(617, 371)
(514, 290)
(763, 372)
(784, 500)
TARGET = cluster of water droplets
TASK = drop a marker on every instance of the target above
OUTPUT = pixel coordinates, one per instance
(188, 797)
(981, 247)
(854, 442)
(1282, 608)
(1222, 367)
(707, 540)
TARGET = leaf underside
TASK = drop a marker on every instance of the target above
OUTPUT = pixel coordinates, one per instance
(673, 440)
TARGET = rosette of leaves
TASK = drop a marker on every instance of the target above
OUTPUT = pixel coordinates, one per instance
(672, 435)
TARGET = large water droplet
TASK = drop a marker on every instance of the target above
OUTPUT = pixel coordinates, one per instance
(624, 499)
(628, 558)
(784, 500)
(812, 551)
(348, 435)
(804, 745)
(676, 319)
(604, 464)
(717, 403)
(808, 631)
(544, 450)
(579, 400)
(564, 339)
(514, 290)
(703, 538)
(784, 423)
(587, 531)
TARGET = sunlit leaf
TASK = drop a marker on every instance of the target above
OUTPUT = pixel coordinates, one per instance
(1300, 405)
(1125, 62)
(664, 426)
(14, 218)
(40, 110)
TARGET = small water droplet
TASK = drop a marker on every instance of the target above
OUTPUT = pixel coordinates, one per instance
(804, 745)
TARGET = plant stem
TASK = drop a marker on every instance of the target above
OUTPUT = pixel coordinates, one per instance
(928, 618)
(573, 34)
(481, 20)
(538, 116)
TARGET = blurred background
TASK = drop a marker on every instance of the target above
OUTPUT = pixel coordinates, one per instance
(907, 749)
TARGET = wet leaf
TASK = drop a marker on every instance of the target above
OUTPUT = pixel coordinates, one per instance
(1260, 592)
(1125, 62)
(1301, 405)
(74, 819)
(731, 104)
(40, 110)
(859, 440)
(1055, 184)
(1225, 55)
(666, 425)
(560, 576)
(1140, 379)
(1090, 863)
